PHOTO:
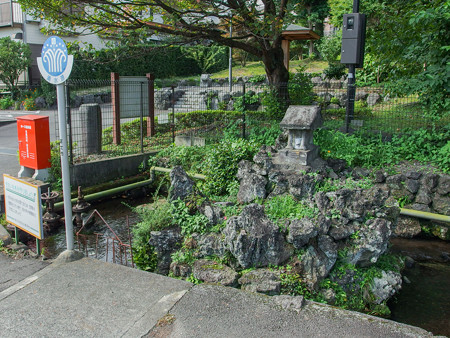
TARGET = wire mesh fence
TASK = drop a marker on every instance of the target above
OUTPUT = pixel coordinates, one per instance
(129, 115)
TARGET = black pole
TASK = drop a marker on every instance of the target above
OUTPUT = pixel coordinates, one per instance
(173, 114)
(243, 110)
(351, 89)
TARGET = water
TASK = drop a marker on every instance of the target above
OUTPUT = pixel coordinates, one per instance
(114, 212)
(425, 302)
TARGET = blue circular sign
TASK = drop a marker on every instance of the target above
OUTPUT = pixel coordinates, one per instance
(54, 56)
(55, 64)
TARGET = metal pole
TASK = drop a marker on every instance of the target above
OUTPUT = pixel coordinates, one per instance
(173, 114)
(16, 235)
(243, 110)
(142, 118)
(230, 60)
(350, 107)
(69, 122)
(65, 165)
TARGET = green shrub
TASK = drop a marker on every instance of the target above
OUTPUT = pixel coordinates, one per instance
(221, 163)
(369, 150)
(154, 218)
(6, 102)
(188, 223)
(284, 207)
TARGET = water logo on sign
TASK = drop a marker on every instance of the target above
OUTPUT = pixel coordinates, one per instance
(55, 64)
(54, 56)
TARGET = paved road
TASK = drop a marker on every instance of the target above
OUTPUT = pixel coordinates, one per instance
(89, 298)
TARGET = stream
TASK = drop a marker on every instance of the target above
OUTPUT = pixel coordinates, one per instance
(423, 302)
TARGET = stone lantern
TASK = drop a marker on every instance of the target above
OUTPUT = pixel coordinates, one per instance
(300, 122)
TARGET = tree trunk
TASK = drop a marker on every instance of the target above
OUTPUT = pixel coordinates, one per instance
(276, 71)
(278, 77)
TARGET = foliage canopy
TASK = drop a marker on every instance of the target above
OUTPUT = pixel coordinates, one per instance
(14, 59)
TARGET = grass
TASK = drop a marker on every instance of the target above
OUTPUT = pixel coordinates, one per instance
(257, 68)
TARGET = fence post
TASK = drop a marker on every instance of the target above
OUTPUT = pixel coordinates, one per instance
(116, 107)
(173, 114)
(151, 105)
(243, 110)
(141, 111)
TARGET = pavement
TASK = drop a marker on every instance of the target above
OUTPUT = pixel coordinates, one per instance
(90, 298)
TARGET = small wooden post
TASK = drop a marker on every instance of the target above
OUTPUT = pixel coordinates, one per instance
(116, 107)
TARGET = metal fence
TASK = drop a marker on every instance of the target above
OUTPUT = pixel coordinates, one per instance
(152, 118)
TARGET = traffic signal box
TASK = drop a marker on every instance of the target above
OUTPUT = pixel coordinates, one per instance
(34, 141)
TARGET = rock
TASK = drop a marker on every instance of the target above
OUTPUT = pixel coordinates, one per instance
(386, 286)
(329, 248)
(412, 185)
(301, 231)
(165, 242)
(414, 175)
(373, 99)
(337, 165)
(252, 187)
(254, 240)
(263, 160)
(303, 186)
(5, 237)
(360, 95)
(407, 227)
(372, 241)
(359, 173)
(443, 187)
(213, 272)
(329, 295)
(440, 230)
(211, 244)
(419, 207)
(181, 185)
(213, 213)
(68, 256)
(342, 231)
(314, 267)
(441, 204)
(40, 102)
(326, 96)
(292, 303)
(409, 262)
(261, 281)
(430, 181)
(423, 196)
(180, 269)
(379, 176)
(205, 80)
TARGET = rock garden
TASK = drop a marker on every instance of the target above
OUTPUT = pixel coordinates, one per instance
(321, 230)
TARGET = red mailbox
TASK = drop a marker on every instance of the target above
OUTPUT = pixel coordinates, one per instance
(34, 141)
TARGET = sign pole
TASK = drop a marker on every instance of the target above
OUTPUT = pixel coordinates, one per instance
(55, 66)
(65, 170)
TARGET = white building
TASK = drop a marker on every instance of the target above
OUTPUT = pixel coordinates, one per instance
(18, 25)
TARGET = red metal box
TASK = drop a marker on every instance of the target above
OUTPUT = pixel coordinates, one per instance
(34, 141)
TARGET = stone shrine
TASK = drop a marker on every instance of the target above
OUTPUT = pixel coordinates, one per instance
(300, 122)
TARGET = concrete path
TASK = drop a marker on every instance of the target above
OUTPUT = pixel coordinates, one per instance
(89, 298)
